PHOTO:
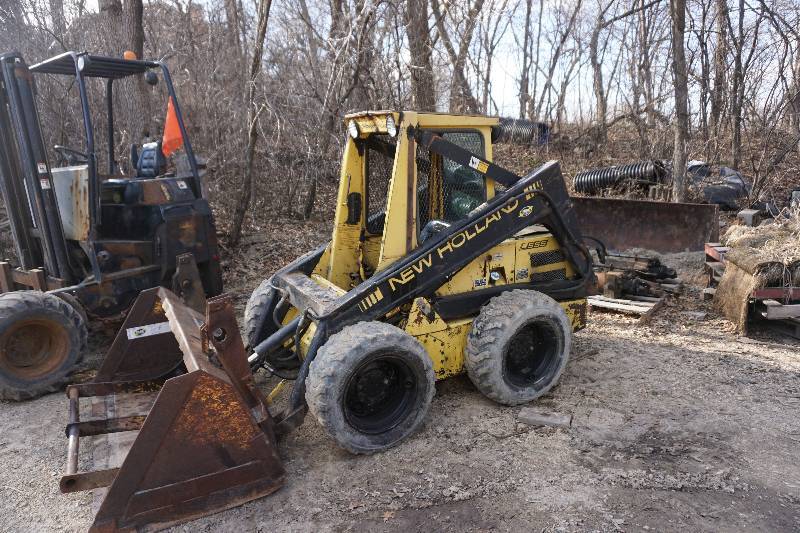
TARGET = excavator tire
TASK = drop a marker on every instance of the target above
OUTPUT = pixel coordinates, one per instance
(370, 386)
(41, 341)
(518, 347)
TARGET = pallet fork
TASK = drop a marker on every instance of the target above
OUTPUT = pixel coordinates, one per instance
(175, 450)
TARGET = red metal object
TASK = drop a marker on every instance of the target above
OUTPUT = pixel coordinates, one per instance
(205, 441)
(659, 226)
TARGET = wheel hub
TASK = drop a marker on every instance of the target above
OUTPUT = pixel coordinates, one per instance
(32, 348)
(379, 394)
(531, 355)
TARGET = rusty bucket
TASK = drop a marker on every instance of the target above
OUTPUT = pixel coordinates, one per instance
(167, 451)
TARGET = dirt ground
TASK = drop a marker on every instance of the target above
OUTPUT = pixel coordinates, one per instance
(677, 425)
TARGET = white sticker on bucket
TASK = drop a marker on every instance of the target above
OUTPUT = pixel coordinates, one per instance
(42, 168)
(140, 332)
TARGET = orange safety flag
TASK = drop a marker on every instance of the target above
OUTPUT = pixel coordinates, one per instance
(172, 139)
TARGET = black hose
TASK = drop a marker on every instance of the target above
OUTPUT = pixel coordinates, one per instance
(641, 173)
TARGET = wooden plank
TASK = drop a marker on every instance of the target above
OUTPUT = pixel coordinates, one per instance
(38, 279)
(777, 311)
(634, 309)
(622, 301)
(6, 280)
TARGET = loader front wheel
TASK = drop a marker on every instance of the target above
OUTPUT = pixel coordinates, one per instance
(41, 341)
(518, 347)
(370, 386)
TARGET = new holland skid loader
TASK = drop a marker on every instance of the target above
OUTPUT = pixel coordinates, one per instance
(89, 237)
(440, 263)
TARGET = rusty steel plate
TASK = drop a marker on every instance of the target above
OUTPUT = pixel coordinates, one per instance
(659, 226)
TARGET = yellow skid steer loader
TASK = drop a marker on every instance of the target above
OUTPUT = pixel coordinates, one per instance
(441, 262)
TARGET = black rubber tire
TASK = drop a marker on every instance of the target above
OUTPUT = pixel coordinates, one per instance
(77, 305)
(501, 343)
(259, 308)
(332, 375)
(260, 324)
(50, 318)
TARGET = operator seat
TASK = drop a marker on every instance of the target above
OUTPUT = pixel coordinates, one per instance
(150, 162)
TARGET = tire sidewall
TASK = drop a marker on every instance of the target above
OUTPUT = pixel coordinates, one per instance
(331, 415)
(558, 323)
(259, 306)
(487, 348)
(66, 317)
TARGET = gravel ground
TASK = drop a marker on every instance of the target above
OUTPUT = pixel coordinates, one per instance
(677, 425)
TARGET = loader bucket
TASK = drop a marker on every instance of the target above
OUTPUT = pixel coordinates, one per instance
(659, 226)
(168, 452)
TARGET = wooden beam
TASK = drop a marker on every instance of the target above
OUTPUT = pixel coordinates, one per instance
(775, 310)
(6, 280)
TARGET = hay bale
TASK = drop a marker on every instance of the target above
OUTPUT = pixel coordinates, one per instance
(763, 256)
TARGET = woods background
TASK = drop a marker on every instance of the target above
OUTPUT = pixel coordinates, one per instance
(264, 83)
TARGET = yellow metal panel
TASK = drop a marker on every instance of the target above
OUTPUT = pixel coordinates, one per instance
(346, 242)
(400, 229)
(444, 120)
(477, 274)
(535, 244)
(576, 311)
(444, 341)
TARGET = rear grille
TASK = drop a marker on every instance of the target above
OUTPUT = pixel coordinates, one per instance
(546, 258)
(550, 275)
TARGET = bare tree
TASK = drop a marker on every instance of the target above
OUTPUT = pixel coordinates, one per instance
(461, 97)
(680, 82)
(420, 47)
(246, 193)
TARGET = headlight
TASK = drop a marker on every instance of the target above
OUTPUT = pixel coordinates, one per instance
(391, 127)
(352, 129)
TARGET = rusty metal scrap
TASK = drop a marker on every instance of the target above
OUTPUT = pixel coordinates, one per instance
(658, 226)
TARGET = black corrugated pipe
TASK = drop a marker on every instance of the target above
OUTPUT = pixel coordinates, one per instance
(520, 131)
(638, 174)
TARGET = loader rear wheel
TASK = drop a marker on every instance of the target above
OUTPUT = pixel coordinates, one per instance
(41, 341)
(370, 386)
(518, 347)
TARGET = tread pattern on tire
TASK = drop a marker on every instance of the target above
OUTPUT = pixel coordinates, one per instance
(257, 307)
(15, 303)
(331, 362)
(481, 357)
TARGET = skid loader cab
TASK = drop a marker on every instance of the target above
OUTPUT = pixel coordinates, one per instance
(429, 236)
(89, 227)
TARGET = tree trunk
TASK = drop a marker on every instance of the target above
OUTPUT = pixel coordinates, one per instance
(246, 194)
(720, 67)
(461, 98)
(419, 43)
(524, 80)
(59, 23)
(737, 91)
(681, 86)
(597, 81)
